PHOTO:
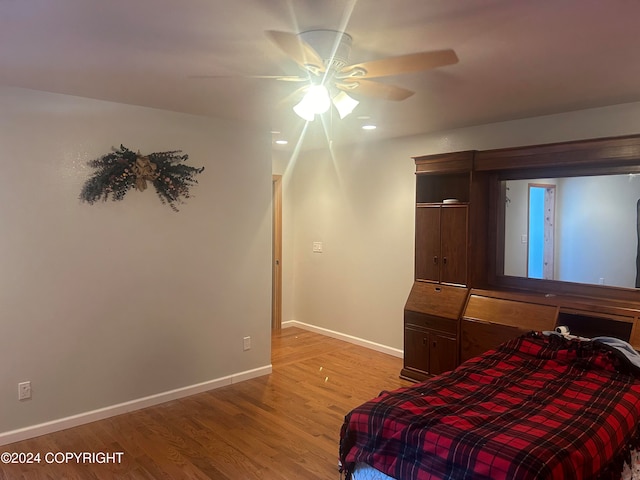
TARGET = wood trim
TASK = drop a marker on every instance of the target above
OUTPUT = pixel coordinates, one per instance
(554, 287)
(445, 162)
(413, 376)
(495, 226)
(634, 340)
(478, 235)
(580, 153)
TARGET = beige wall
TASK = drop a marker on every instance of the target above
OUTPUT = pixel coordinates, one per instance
(107, 303)
(360, 203)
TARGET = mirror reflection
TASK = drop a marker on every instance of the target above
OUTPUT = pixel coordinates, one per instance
(573, 229)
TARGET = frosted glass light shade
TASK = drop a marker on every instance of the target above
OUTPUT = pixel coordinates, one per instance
(303, 111)
(344, 104)
(315, 101)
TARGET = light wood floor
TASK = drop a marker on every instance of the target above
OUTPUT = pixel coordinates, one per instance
(283, 426)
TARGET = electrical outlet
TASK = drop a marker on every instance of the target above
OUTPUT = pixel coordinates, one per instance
(24, 390)
(247, 343)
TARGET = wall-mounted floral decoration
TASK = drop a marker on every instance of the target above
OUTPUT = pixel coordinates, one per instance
(124, 169)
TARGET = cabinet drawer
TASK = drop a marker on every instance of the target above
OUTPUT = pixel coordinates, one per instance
(437, 300)
(440, 324)
(477, 337)
(522, 315)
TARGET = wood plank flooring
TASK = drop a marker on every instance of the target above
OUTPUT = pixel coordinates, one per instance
(283, 426)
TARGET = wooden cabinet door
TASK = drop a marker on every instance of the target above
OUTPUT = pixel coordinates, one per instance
(443, 354)
(453, 244)
(416, 349)
(428, 242)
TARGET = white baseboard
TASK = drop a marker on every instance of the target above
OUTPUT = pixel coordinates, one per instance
(111, 411)
(396, 352)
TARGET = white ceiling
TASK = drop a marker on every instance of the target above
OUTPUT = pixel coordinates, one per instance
(518, 58)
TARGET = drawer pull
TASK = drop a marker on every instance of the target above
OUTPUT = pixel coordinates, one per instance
(435, 259)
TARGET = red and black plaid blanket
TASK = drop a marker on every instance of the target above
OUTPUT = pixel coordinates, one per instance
(537, 407)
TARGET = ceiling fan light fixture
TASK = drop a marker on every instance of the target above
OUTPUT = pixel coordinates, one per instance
(315, 101)
(302, 110)
(344, 104)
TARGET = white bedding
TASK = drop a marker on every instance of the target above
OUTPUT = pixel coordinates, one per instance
(366, 472)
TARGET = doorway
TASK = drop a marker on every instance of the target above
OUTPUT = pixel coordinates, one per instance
(541, 221)
(276, 254)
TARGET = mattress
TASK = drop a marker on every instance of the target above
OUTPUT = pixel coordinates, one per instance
(362, 471)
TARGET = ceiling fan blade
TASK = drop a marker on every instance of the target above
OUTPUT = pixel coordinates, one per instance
(412, 62)
(293, 97)
(282, 78)
(296, 48)
(375, 89)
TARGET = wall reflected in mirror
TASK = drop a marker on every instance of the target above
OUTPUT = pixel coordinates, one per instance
(573, 229)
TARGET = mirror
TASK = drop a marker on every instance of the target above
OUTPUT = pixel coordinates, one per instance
(573, 229)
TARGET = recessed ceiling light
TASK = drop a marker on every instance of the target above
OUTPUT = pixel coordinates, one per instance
(281, 142)
(369, 127)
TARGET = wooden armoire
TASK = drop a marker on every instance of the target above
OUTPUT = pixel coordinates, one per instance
(439, 293)
(461, 302)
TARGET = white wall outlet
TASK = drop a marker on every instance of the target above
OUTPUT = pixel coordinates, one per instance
(523, 238)
(24, 390)
(317, 247)
(246, 343)
(601, 281)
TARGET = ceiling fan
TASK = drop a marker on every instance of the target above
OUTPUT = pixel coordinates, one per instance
(329, 78)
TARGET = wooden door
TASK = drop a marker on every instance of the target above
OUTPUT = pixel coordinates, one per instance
(416, 349)
(427, 243)
(453, 244)
(276, 254)
(443, 354)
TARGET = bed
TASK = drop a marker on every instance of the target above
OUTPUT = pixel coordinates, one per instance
(540, 406)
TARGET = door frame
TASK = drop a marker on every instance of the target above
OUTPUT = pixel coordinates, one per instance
(276, 254)
(548, 237)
